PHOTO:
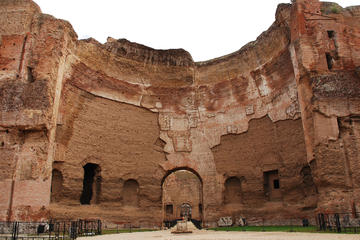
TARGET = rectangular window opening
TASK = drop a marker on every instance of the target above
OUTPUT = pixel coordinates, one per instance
(276, 184)
(331, 34)
(169, 209)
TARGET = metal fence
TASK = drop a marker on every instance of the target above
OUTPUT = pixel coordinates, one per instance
(338, 222)
(51, 230)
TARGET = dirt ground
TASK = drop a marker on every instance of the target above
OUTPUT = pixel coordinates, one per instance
(212, 235)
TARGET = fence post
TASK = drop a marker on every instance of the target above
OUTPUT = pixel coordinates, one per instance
(99, 227)
(73, 230)
(15, 230)
(337, 222)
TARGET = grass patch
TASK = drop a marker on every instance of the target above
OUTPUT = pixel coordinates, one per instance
(310, 229)
(115, 231)
(267, 229)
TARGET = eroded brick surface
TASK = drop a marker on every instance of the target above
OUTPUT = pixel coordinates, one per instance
(268, 132)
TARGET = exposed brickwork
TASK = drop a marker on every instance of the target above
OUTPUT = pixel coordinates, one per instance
(283, 111)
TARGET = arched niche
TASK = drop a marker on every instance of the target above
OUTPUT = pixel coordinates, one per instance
(233, 190)
(130, 193)
(56, 185)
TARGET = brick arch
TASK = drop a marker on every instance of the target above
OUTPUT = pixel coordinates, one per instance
(91, 159)
(199, 201)
(168, 172)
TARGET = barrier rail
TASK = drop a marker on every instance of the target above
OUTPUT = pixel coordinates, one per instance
(51, 230)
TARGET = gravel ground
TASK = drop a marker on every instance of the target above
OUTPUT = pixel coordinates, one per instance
(217, 235)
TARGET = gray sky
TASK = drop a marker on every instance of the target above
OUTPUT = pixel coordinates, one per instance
(205, 28)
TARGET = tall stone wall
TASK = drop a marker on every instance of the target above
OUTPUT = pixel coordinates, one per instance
(98, 128)
(33, 53)
(123, 140)
(264, 149)
(328, 88)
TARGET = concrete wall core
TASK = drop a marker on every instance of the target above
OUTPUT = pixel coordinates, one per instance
(269, 132)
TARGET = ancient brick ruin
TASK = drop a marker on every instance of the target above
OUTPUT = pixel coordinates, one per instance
(126, 133)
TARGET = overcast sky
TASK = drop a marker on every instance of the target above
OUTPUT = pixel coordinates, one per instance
(205, 28)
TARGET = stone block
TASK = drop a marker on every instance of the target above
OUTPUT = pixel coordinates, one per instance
(182, 144)
(225, 222)
(193, 118)
(249, 109)
(164, 121)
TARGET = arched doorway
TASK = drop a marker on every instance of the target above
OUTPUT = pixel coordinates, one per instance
(185, 211)
(182, 195)
(91, 184)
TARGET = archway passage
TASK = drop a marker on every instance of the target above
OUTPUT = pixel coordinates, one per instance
(91, 184)
(182, 196)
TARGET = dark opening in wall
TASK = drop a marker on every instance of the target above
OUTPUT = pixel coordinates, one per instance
(2, 144)
(130, 193)
(91, 191)
(331, 34)
(30, 74)
(276, 184)
(272, 185)
(329, 60)
(56, 185)
(200, 208)
(169, 209)
(185, 210)
(232, 190)
(307, 176)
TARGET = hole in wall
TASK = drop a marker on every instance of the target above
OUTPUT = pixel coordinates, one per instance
(276, 184)
(30, 74)
(2, 144)
(91, 191)
(169, 209)
(329, 60)
(331, 34)
(272, 185)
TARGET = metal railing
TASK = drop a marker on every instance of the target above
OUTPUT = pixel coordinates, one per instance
(52, 230)
(338, 222)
